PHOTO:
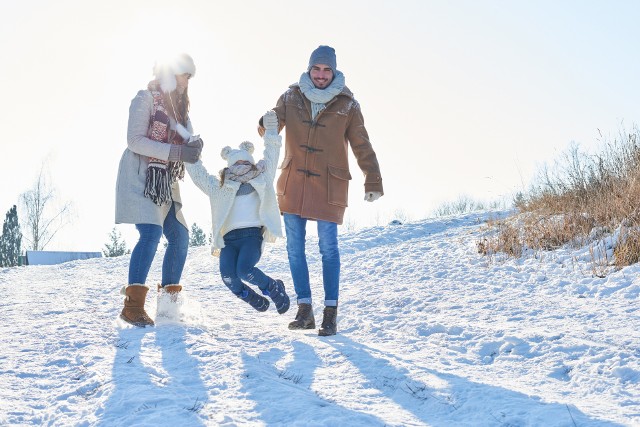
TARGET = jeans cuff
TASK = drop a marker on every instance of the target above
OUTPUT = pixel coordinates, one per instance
(331, 303)
(304, 300)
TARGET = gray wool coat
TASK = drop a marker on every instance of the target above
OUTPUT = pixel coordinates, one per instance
(132, 207)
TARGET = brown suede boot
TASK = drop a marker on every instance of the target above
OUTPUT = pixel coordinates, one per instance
(133, 311)
(329, 325)
(172, 290)
(304, 318)
(169, 301)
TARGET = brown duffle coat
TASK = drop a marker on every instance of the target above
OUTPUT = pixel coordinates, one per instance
(314, 178)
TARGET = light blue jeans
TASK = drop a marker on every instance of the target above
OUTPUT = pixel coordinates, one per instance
(296, 230)
(145, 250)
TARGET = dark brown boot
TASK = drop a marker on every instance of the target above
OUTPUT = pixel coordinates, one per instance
(133, 311)
(304, 318)
(329, 326)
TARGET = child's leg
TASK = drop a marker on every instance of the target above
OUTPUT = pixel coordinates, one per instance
(228, 257)
(248, 256)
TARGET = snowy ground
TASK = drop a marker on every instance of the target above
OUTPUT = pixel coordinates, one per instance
(430, 334)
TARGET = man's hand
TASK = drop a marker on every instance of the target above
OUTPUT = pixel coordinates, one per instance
(372, 196)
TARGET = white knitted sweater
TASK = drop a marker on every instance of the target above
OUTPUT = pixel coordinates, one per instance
(222, 198)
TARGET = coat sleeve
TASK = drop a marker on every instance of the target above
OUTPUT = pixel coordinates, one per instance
(139, 117)
(281, 111)
(363, 151)
(202, 178)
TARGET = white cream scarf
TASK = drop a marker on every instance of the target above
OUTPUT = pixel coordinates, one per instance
(320, 97)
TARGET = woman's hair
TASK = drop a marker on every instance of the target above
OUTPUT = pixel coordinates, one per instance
(178, 105)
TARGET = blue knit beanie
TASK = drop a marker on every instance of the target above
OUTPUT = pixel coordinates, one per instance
(323, 55)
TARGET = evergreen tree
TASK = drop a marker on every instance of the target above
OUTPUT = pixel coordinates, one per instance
(197, 236)
(115, 247)
(11, 239)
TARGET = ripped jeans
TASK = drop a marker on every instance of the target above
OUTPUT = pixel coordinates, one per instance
(238, 259)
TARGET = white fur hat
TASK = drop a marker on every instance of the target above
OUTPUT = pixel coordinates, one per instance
(166, 70)
(244, 153)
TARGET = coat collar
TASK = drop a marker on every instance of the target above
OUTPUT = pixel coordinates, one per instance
(345, 91)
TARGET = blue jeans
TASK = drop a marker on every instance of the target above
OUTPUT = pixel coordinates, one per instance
(238, 259)
(145, 250)
(296, 229)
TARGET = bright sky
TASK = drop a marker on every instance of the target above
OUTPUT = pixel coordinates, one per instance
(465, 97)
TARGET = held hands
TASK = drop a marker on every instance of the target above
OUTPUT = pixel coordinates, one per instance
(196, 141)
(372, 196)
(270, 122)
(190, 152)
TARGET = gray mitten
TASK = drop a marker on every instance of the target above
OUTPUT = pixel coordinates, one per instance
(270, 122)
(189, 153)
(195, 141)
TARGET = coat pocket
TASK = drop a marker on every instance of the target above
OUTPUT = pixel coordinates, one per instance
(281, 186)
(338, 186)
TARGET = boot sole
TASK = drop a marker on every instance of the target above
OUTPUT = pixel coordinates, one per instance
(321, 333)
(138, 324)
(296, 328)
(283, 310)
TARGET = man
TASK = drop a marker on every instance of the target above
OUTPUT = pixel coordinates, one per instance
(322, 117)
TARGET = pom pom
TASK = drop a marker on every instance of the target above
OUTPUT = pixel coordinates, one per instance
(225, 152)
(247, 146)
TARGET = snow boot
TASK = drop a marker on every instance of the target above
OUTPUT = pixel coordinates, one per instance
(169, 301)
(133, 311)
(172, 290)
(304, 318)
(329, 326)
(278, 295)
(256, 301)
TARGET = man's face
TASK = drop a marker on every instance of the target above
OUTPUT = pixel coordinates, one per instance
(321, 75)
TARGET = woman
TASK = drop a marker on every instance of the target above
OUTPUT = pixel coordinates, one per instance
(147, 190)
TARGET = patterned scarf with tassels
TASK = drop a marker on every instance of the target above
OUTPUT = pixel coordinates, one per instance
(161, 174)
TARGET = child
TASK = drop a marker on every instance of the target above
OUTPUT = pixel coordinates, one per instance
(244, 213)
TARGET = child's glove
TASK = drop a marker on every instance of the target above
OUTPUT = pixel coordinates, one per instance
(270, 122)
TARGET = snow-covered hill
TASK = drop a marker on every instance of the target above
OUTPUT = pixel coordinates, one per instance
(430, 333)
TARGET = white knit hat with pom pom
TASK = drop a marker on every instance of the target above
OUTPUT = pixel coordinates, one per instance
(244, 153)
